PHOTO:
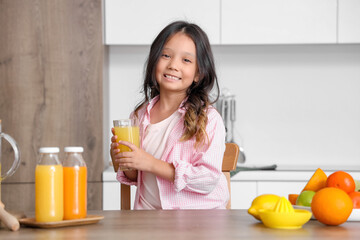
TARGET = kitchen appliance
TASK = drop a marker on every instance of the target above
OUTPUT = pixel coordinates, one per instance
(226, 105)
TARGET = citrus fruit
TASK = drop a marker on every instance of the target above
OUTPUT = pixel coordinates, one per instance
(264, 201)
(355, 197)
(317, 181)
(292, 198)
(331, 206)
(342, 180)
(305, 198)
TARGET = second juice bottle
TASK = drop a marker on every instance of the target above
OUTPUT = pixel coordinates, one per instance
(75, 184)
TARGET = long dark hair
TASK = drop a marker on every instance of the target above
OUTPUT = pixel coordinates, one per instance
(198, 93)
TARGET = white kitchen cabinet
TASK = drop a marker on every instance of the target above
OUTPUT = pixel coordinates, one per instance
(278, 21)
(242, 194)
(139, 21)
(236, 22)
(111, 191)
(111, 196)
(349, 21)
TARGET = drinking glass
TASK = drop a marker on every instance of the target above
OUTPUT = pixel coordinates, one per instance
(126, 130)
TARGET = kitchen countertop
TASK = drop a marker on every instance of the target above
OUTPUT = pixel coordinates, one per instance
(282, 173)
(292, 173)
(183, 224)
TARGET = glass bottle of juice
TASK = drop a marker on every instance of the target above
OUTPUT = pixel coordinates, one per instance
(75, 184)
(49, 186)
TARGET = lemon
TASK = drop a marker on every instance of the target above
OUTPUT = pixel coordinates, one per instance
(264, 201)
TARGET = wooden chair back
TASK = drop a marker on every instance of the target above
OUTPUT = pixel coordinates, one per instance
(230, 158)
(229, 164)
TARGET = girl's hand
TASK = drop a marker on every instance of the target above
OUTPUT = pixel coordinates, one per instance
(136, 159)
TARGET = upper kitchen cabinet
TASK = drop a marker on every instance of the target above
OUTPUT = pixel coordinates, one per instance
(139, 21)
(349, 21)
(279, 21)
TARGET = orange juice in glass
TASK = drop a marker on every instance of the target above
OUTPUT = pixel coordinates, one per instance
(126, 130)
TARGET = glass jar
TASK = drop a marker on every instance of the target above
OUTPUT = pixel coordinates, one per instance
(75, 184)
(49, 186)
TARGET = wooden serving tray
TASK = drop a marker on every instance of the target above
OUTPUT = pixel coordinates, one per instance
(90, 219)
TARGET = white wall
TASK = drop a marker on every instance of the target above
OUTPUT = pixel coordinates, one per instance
(296, 104)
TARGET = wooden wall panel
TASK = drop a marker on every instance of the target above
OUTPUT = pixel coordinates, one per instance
(51, 60)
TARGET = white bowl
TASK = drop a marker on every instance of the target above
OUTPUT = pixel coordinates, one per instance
(354, 216)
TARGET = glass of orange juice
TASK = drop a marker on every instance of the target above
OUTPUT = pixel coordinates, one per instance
(126, 130)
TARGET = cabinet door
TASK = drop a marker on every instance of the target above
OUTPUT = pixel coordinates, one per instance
(111, 195)
(349, 21)
(242, 194)
(139, 21)
(282, 189)
(278, 21)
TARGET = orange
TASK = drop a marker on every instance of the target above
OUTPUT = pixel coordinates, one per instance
(342, 180)
(317, 181)
(355, 197)
(292, 198)
(331, 206)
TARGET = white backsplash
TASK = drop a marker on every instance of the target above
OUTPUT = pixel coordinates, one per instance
(296, 104)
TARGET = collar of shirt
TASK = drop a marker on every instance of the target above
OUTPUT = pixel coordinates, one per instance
(151, 104)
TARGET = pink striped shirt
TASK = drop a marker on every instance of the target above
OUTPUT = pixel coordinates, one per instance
(199, 182)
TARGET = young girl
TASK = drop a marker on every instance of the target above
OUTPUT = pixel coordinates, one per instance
(182, 136)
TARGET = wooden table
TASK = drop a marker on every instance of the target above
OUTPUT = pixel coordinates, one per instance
(183, 224)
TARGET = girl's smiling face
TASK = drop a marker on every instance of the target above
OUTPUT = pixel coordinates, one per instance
(176, 69)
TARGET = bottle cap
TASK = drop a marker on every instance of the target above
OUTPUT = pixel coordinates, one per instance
(73, 149)
(49, 150)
